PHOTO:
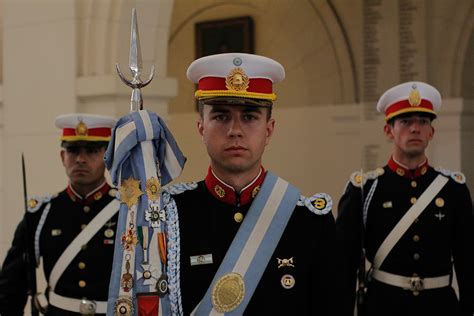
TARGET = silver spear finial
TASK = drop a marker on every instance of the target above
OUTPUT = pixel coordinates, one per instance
(135, 65)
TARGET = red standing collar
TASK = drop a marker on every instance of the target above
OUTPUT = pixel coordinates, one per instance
(403, 171)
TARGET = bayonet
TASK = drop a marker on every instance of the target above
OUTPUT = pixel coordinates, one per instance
(135, 66)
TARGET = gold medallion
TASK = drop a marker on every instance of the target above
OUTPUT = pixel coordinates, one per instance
(81, 129)
(237, 80)
(439, 202)
(414, 98)
(228, 292)
(219, 191)
(152, 188)
(109, 233)
(123, 306)
(130, 192)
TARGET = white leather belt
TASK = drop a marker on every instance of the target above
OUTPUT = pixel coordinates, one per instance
(82, 306)
(414, 283)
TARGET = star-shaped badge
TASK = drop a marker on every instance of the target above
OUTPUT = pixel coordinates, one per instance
(149, 274)
(130, 192)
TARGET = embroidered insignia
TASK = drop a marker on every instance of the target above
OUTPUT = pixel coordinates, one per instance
(228, 292)
(320, 203)
(152, 189)
(285, 263)
(414, 98)
(287, 281)
(237, 80)
(97, 196)
(219, 191)
(255, 191)
(439, 202)
(81, 128)
(458, 177)
(129, 239)
(358, 179)
(123, 306)
(130, 192)
(439, 215)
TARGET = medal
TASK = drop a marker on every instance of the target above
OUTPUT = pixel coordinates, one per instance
(109, 233)
(228, 292)
(127, 277)
(162, 285)
(130, 192)
(152, 189)
(123, 306)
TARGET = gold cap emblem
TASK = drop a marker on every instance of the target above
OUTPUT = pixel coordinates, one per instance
(414, 98)
(237, 80)
(81, 129)
(228, 292)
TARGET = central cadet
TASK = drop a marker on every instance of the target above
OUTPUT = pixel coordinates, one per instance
(248, 242)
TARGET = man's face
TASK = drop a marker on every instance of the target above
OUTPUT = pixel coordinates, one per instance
(235, 136)
(84, 165)
(411, 134)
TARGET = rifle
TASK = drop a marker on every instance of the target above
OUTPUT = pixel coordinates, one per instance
(31, 268)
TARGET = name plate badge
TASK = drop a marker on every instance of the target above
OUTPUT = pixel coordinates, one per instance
(201, 259)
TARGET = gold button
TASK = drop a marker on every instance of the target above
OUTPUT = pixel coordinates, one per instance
(413, 200)
(238, 217)
(86, 209)
(83, 226)
(81, 265)
(416, 256)
(439, 202)
(414, 184)
(83, 247)
(416, 238)
(82, 283)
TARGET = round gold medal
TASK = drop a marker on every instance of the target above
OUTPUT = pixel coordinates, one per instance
(228, 292)
(109, 233)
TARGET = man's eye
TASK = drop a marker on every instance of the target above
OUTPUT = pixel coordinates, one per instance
(249, 117)
(92, 151)
(220, 117)
(73, 150)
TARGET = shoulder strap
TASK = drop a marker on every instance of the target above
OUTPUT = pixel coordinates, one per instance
(407, 219)
(75, 246)
(251, 249)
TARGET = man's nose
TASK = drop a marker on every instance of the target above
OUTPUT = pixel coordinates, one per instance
(81, 156)
(235, 128)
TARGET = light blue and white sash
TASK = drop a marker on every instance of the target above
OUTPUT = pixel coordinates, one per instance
(255, 241)
(141, 147)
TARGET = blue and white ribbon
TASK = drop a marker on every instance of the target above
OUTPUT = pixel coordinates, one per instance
(142, 147)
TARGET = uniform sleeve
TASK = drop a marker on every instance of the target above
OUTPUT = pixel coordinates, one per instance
(463, 251)
(348, 248)
(324, 269)
(13, 275)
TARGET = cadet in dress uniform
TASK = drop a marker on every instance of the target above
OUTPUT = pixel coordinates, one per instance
(82, 219)
(245, 248)
(414, 221)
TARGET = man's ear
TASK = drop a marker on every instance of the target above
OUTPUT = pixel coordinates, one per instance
(200, 126)
(63, 155)
(270, 129)
(387, 129)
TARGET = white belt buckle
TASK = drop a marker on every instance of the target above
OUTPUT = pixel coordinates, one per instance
(87, 307)
(416, 284)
